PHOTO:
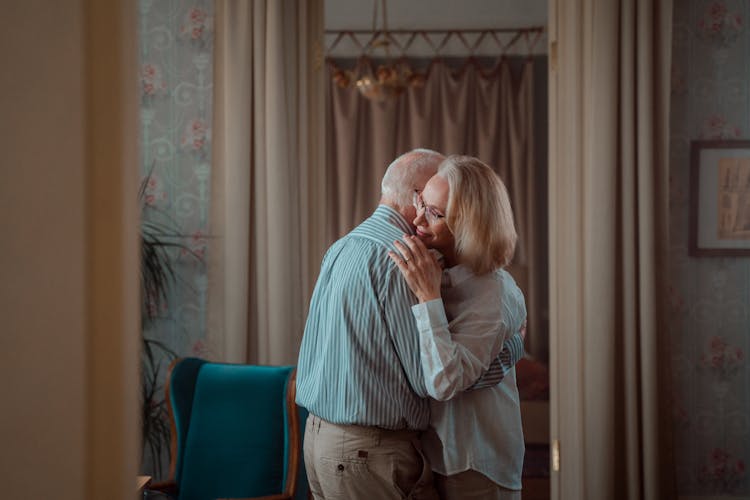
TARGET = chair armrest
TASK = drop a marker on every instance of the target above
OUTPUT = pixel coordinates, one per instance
(267, 497)
(169, 487)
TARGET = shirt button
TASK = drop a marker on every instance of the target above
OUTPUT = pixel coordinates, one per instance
(340, 467)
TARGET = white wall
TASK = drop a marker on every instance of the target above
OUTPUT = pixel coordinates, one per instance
(438, 14)
(344, 15)
(42, 282)
(53, 171)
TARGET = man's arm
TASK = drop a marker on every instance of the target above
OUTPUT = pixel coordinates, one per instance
(511, 354)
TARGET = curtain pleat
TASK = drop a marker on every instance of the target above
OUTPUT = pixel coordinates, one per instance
(268, 179)
(608, 244)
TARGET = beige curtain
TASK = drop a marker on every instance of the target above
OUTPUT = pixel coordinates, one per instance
(266, 182)
(609, 91)
(487, 113)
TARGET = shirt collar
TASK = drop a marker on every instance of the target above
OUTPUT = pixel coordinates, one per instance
(390, 215)
(454, 276)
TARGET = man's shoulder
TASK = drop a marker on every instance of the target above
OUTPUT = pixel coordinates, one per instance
(363, 238)
(362, 249)
(365, 248)
(377, 229)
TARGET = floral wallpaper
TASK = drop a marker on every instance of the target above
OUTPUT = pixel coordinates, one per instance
(709, 297)
(176, 42)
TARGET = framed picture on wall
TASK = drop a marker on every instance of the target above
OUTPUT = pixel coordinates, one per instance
(720, 198)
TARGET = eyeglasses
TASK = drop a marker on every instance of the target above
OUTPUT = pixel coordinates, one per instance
(430, 213)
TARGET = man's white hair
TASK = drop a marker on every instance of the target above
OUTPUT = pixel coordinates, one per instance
(398, 181)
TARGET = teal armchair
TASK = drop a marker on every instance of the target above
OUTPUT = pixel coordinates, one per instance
(235, 432)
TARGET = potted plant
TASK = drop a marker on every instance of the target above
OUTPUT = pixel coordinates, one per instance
(159, 241)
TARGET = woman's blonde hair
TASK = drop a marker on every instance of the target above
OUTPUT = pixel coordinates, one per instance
(479, 214)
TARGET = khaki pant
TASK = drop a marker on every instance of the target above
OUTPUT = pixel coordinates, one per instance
(471, 484)
(351, 462)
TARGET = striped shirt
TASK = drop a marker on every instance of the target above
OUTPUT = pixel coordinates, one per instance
(359, 359)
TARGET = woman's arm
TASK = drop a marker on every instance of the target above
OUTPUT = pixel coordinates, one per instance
(453, 356)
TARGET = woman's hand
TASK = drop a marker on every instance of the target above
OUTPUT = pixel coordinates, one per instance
(419, 267)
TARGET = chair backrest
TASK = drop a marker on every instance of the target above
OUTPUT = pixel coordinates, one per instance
(235, 430)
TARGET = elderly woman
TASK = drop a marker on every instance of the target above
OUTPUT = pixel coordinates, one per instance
(475, 441)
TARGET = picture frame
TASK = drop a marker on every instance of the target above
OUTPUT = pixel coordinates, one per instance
(719, 199)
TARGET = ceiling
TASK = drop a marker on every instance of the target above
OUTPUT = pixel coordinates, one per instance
(344, 15)
(438, 14)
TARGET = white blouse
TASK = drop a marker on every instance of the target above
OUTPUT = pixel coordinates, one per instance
(460, 336)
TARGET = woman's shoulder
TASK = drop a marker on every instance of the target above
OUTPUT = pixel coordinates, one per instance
(462, 275)
(499, 283)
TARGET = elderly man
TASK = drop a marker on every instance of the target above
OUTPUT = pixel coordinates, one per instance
(359, 372)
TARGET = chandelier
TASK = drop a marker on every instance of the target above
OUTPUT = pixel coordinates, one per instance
(391, 78)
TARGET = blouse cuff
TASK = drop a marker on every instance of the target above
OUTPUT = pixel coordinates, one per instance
(430, 314)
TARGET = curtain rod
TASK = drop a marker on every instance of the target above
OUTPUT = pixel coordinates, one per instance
(533, 29)
(385, 38)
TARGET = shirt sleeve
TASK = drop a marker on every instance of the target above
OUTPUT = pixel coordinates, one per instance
(454, 356)
(511, 354)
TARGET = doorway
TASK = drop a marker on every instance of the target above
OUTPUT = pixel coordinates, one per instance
(418, 35)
